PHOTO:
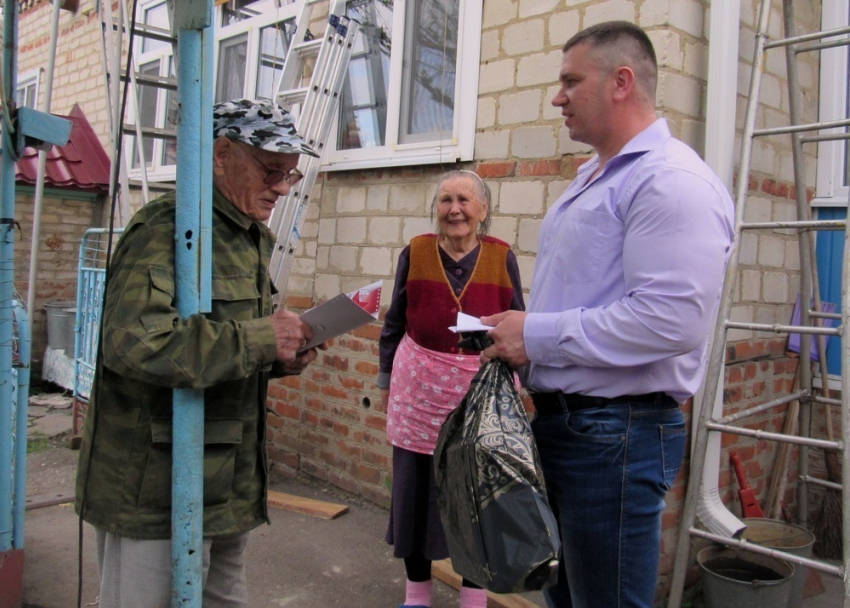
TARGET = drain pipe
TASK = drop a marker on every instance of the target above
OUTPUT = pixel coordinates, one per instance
(719, 152)
(42, 166)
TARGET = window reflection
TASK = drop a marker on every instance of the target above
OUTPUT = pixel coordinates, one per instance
(274, 42)
(363, 106)
(230, 80)
(235, 11)
(428, 82)
(147, 113)
(156, 16)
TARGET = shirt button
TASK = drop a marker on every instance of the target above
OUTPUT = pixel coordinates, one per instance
(454, 349)
(453, 310)
(458, 272)
(458, 290)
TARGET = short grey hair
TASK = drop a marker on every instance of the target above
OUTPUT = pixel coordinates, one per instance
(481, 188)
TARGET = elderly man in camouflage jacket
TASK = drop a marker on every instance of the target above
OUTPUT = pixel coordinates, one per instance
(124, 477)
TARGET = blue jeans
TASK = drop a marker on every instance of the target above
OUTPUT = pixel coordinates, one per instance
(607, 471)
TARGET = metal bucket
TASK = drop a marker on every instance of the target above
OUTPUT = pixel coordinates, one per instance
(60, 325)
(734, 578)
(788, 538)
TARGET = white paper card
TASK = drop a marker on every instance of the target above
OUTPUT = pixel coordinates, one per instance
(343, 313)
(467, 322)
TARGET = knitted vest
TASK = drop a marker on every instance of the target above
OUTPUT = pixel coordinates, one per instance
(432, 305)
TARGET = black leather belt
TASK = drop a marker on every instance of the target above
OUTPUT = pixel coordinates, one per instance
(549, 404)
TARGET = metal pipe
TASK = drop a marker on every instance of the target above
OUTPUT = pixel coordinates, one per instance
(19, 506)
(8, 384)
(42, 165)
(193, 21)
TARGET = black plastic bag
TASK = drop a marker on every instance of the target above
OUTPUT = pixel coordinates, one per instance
(500, 530)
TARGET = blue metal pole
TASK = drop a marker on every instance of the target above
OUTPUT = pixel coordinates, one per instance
(191, 17)
(8, 385)
(23, 368)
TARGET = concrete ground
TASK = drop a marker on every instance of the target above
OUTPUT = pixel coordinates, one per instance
(300, 561)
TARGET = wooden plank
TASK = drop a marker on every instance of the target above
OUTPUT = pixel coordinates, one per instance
(442, 570)
(307, 506)
(46, 500)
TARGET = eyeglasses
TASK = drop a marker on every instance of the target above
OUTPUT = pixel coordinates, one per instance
(275, 176)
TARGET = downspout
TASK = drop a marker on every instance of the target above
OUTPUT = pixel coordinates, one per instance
(721, 103)
(42, 165)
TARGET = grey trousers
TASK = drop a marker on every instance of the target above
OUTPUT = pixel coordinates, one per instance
(137, 573)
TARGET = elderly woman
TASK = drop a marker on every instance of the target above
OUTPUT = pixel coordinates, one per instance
(424, 375)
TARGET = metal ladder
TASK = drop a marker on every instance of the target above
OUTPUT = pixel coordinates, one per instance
(719, 524)
(115, 30)
(315, 107)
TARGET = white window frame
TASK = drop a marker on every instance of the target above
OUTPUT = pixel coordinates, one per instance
(27, 79)
(269, 14)
(460, 146)
(830, 190)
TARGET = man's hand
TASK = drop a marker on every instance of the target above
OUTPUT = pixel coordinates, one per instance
(508, 344)
(291, 334)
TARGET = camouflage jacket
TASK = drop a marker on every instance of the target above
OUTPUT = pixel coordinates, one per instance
(124, 476)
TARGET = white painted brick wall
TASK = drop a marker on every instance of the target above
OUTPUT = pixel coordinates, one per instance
(327, 286)
(775, 288)
(351, 200)
(530, 8)
(562, 27)
(679, 93)
(492, 144)
(521, 198)
(505, 228)
(377, 197)
(519, 107)
(534, 142)
(496, 76)
(343, 259)
(524, 37)
(384, 230)
(408, 198)
(529, 233)
(771, 251)
(539, 68)
(327, 231)
(498, 12)
(554, 190)
(486, 113)
(376, 261)
(351, 230)
(490, 46)
(751, 286)
(414, 226)
(623, 10)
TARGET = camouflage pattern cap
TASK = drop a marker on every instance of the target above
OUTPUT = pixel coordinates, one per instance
(261, 123)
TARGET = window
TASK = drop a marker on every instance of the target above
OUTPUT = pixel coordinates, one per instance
(252, 37)
(833, 182)
(26, 92)
(411, 92)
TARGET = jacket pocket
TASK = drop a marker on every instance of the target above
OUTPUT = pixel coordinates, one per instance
(237, 298)
(221, 441)
(159, 315)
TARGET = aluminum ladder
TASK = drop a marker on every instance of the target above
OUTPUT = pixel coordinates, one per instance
(702, 501)
(314, 105)
(117, 35)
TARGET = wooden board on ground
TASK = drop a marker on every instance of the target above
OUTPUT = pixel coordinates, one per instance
(47, 500)
(307, 506)
(442, 570)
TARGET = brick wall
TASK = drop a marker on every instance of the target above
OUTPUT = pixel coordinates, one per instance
(63, 224)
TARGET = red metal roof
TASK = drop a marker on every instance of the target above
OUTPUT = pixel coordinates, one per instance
(81, 164)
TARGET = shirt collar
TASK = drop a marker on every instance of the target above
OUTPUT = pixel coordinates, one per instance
(648, 139)
(223, 206)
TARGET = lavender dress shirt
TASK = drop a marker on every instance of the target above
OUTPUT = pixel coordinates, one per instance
(629, 272)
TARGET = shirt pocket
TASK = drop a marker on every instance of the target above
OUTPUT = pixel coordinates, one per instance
(221, 441)
(586, 240)
(236, 298)
(159, 315)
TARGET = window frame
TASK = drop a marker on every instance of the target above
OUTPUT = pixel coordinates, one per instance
(458, 147)
(834, 65)
(269, 14)
(27, 79)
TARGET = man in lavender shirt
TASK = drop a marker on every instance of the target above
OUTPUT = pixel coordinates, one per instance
(627, 282)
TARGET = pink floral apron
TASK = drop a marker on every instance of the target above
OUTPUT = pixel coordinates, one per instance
(425, 387)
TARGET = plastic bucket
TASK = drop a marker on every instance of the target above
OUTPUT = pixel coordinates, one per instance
(734, 578)
(785, 537)
(60, 325)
